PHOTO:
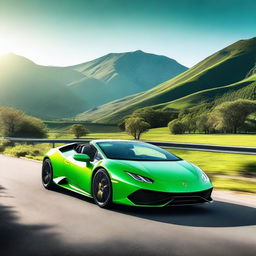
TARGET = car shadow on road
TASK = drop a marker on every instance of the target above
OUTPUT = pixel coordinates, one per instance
(218, 214)
(23, 239)
(17, 238)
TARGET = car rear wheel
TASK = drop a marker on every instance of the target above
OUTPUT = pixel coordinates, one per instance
(47, 174)
(102, 189)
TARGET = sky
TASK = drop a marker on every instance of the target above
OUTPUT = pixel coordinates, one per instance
(67, 32)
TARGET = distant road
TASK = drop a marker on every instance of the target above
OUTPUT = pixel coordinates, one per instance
(34, 221)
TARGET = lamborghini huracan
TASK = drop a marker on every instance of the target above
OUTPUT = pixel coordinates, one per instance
(126, 172)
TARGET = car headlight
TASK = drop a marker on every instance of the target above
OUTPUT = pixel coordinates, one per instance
(204, 177)
(140, 178)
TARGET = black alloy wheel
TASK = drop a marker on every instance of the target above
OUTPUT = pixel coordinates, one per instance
(47, 174)
(102, 189)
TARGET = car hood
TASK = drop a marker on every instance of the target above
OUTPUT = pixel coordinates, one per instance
(180, 176)
(163, 170)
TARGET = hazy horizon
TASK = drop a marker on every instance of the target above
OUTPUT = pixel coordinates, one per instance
(65, 33)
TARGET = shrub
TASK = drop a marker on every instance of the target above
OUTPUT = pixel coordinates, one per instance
(31, 127)
(177, 127)
(5, 143)
(248, 169)
(14, 123)
(79, 130)
(10, 119)
(230, 116)
(203, 124)
(23, 150)
(1, 147)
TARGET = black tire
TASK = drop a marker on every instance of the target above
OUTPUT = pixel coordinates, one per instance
(102, 189)
(47, 174)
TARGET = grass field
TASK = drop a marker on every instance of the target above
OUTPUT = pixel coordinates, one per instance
(163, 134)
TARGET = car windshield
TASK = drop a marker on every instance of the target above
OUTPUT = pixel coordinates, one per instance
(136, 151)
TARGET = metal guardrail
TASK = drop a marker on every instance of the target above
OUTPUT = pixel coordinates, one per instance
(174, 145)
(207, 147)
(53, 141)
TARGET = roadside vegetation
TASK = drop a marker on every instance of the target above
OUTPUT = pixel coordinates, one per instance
(78, 130)
(233, 117)
(228, 117)
(227, 171)
(136, 126)
(15, 123)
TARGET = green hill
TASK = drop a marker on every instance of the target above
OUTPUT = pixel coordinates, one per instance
(37, 90)
(224, 71)
(244, 89)
(118, 75)
(59, 92)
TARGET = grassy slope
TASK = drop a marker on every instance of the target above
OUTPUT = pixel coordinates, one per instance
(225, 67)
(117, 75)
(57, 92)
(37, 90)
(141, 68)
(100, 112)
(242, 89)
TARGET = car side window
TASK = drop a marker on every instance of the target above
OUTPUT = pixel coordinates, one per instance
(89, 150)
(98, 156)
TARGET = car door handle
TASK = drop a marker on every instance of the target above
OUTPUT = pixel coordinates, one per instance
(66, 162)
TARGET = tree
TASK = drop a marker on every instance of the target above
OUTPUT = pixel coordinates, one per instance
(163, 117)
(15, 123)
(10, 119)
(248, 126)
(135, 126)
(121, 123)
(79, 130)
(230, 116)
(203, 124)
(177, 127)
(183, 112)
(32, 127)
(155, 117)
(189, 121)
(148, 114)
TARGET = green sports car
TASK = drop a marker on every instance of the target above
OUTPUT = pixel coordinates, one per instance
(126, 172)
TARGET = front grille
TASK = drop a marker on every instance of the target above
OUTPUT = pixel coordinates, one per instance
(188, 200)
(149, 197)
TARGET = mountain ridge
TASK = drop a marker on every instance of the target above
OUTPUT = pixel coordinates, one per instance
(50, 92)
(136, 71)
(225, 67)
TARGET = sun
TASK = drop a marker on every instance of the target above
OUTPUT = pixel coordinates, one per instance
(7, 44)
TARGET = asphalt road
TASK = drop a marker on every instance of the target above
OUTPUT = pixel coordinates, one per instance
(35, 221)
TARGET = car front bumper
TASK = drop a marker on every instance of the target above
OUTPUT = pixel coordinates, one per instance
(155, 198)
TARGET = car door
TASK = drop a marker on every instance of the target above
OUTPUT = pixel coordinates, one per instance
(79, 173)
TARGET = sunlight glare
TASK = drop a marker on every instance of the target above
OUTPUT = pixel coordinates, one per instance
(6, 44)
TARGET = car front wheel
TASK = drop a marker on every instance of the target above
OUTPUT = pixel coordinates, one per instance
(102, 189)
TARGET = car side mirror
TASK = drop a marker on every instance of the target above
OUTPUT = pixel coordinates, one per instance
(82, 158)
